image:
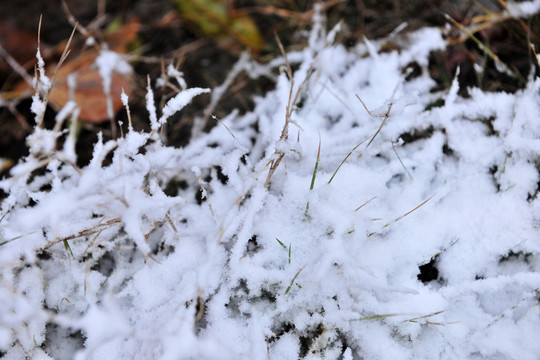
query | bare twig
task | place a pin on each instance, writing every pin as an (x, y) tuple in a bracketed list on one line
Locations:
[(84, 31), (15, 65)]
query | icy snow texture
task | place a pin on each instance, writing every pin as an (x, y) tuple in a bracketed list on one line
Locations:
[(221, 286)]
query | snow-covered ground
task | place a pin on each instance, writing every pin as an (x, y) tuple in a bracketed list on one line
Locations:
[(422, 244)]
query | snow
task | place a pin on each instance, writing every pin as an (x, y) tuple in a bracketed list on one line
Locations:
[(43, 83), (106, 262), (151, 107), (524, 9), (108, 62), (178, 102)]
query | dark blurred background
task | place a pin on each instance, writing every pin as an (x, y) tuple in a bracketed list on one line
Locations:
[(175, 32)]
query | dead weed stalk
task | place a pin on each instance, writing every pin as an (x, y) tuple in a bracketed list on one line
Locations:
[(291, 103)]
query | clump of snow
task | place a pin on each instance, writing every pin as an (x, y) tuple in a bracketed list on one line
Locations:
[(108, 63), (42, 84), (423, 245), (178, 102), (151, 107), (523, 9)]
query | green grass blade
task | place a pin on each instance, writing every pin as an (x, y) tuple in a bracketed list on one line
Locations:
[(316, 168), (290, 245), (68, 248), (282, 244), (293, 279)]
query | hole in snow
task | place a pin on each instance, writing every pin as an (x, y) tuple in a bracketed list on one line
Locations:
[(429, 271), (44, 255), (411, 71), (199, 197), (395, 180), (534, 194), (45, 188), (307, 340), (72, 341), (106, 264), (201, 194), (164, 248), (174, 187), (201, 321), (268, 295), (252, 246), (239, 295), (279, 331), (108, 160), (490, 128), (334, 119), (415, 135), (447, 150), (224, 179), (493, 171), (435, 104), (243, 159), (519, 256)]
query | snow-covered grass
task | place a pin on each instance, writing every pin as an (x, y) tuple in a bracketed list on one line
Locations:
[(248, 244)]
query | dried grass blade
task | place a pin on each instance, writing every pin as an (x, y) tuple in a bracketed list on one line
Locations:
[(410, 211), (425, 316), (346, 157), (376, 317), (364, 204), (294, 278), (401, 162)]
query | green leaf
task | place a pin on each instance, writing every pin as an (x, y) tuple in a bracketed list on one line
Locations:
[(290, 252), (282, 244), (67, 247)]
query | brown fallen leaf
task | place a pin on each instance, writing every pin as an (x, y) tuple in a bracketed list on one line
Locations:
[(120, 37), (88, 92)]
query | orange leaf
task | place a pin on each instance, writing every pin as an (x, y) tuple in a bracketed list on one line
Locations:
[(119, 39), (89, 94)]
